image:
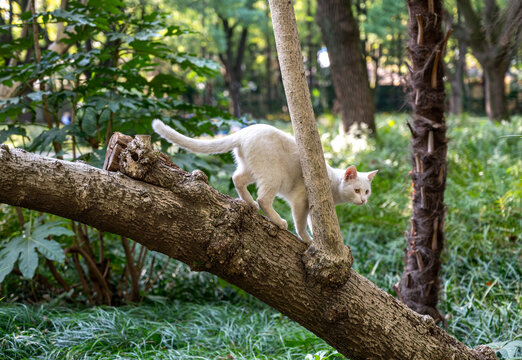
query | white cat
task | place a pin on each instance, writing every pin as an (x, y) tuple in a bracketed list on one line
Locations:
[(269, 157)]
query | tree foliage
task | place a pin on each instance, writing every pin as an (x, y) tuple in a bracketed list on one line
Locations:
[(118, 72)]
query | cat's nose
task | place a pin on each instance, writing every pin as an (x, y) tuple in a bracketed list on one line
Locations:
[(363, 201)]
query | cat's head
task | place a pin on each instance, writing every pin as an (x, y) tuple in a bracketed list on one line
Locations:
[(356, 186)]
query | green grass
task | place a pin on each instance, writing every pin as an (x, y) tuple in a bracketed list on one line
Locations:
[(201, 318), (177, 330)]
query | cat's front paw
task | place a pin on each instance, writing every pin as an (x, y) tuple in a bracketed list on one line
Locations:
[(282, 224)]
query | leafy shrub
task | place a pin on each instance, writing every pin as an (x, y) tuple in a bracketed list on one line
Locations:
[(116, 71)]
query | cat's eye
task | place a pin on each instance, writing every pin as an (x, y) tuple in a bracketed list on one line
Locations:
[(367, 191), (357, 191)]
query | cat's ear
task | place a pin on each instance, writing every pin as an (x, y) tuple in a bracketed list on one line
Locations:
[(372, 174), (350, 174)]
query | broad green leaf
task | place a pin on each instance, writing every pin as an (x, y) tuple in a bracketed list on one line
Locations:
[(50, 228), (23, 248), (52, 249), (28, 258), (8, 256)]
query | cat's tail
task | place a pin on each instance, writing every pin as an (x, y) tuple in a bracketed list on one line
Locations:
[(214, 146)]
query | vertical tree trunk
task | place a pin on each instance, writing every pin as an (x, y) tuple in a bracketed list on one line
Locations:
[(234, 88), (495, 93), (233, 62), (419, 284), (309, 45), (456, 78), (327, 259), (348, 68), (268, 79)]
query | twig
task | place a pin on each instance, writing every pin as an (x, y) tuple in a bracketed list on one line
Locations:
[(101, 246), (131, 267), (81, 274), (149, 285), (20, 215), (107, 293), (57, 276)]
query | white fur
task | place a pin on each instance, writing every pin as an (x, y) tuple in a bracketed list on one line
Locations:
[(269, 157)]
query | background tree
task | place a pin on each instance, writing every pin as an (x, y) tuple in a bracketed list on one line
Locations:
[(419, 284), (455, 67), (348, 68), (493, 38)]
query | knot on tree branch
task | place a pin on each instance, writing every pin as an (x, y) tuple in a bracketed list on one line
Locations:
[(328, 269), (137, 159), (486, 352), (225, 241)]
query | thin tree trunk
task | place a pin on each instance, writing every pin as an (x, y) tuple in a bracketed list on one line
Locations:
[(178, 214), (456, 78), (309, 45), (348, 68), (327, 259), (268, 69), (233, 62), (419, 284)]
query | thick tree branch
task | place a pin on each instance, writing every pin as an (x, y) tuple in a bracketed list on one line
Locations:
[(178, 214)]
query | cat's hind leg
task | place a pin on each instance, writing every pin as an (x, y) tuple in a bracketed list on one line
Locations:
[(242, 179), (265, 199), (300, 214)]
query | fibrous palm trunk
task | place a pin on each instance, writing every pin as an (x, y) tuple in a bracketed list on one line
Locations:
[(419, 285)]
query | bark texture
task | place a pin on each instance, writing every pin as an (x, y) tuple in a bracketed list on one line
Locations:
[(419, 284), (327, 259), (348, 67), (179, 214)]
